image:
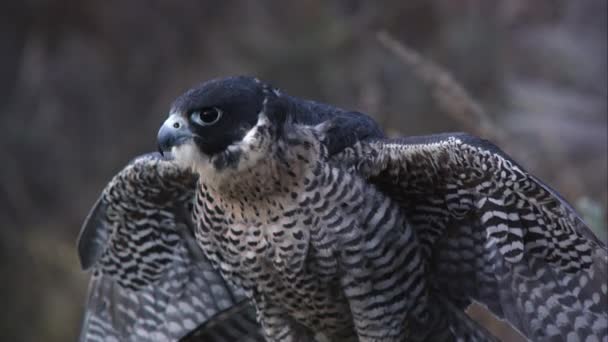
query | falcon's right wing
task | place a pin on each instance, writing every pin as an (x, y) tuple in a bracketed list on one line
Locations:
[(493, 233), (150, 280)]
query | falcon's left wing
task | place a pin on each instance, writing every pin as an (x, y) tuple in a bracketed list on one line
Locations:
[(493, 233), (150, 280)]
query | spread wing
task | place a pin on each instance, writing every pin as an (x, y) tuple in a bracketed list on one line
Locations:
[(493, 233), (150, 280)]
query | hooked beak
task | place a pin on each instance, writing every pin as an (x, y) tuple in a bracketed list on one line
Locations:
[(174, 132)]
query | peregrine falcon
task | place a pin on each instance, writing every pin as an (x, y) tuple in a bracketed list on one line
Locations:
[(334, 232)]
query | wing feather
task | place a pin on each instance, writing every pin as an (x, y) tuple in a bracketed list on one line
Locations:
[(150, 280), (493, 233)]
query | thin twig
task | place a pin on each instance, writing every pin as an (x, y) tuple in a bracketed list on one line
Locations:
[(451, 97)]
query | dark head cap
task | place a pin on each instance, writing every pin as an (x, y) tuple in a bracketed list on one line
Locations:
[(214, 114)]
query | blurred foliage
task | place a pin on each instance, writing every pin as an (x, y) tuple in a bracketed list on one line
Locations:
[(593, 214), (85, 85)]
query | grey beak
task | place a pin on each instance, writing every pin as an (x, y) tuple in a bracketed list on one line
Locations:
[(174, 132)]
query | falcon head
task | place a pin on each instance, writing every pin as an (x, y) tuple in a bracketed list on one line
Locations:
[(233, 122), (221, 121)]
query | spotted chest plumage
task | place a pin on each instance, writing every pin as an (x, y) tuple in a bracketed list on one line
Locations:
[(310, 242), (257, 230)]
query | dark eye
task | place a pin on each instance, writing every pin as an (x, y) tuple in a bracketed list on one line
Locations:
[(206, 117)]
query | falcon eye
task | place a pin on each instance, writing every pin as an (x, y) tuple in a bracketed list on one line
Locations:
[(206, 116)]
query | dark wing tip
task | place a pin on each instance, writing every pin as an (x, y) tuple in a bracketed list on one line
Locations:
[(92, 237)]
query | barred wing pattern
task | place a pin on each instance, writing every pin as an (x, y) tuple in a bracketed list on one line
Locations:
[(494, 234), (237, 323), (150, 280)]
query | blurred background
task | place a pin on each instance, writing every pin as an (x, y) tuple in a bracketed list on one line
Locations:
[(84, 86)]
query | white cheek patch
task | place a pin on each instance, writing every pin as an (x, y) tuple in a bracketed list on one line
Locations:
[(255, 144), (187, 156), (250, 138), (242, 155)]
